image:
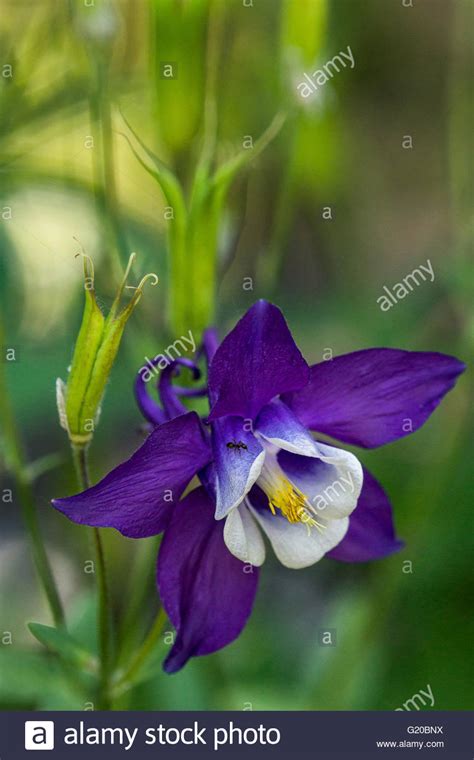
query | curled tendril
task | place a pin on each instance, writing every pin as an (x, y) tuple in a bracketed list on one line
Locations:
[(139, 288), (87, 260), (150, 275)]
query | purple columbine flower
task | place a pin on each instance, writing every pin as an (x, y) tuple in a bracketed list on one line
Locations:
[(261, 471)]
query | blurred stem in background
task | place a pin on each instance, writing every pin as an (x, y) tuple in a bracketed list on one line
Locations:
[(98, 27), (303, 30), (195, 203), (178, 74), (461, 119), (104, 170), (15, 461)]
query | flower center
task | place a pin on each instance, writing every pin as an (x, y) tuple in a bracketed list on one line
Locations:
[(284, 495)]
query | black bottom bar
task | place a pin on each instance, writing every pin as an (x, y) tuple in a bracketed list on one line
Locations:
[(316, 735)]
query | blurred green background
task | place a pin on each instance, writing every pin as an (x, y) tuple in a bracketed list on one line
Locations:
[(67, 72)]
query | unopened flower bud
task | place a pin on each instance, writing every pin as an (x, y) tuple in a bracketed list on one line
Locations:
[(96, 347)]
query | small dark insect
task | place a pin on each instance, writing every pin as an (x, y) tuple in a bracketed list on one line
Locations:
[(236, 445)]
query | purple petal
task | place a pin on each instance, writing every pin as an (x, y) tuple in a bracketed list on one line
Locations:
[(374, 396), (206, 591), (256, 361), (210, 343), (238, 459), (150, 408), (137, 496), (371, 533)]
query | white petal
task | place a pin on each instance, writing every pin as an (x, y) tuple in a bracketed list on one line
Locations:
[(303, 445), (294, 546), (243, 538), (344, 489), (331, 484), (277, 425)]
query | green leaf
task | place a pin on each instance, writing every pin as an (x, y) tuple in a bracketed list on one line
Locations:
[(229, 170), (42, 465), (174, 195), (60, 642), (168, 182)]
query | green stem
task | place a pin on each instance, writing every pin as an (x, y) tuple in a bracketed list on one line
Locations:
[(138, 590), (143, 653), (16, 462), (214, 39), (269, 267), (80, 462)]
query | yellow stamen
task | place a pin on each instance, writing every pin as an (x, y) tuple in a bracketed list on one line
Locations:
[(293, 505), (285, 496)]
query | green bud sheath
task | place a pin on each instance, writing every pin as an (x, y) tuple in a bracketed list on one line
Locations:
[(104, 360), (84, 357), (96, 347)]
